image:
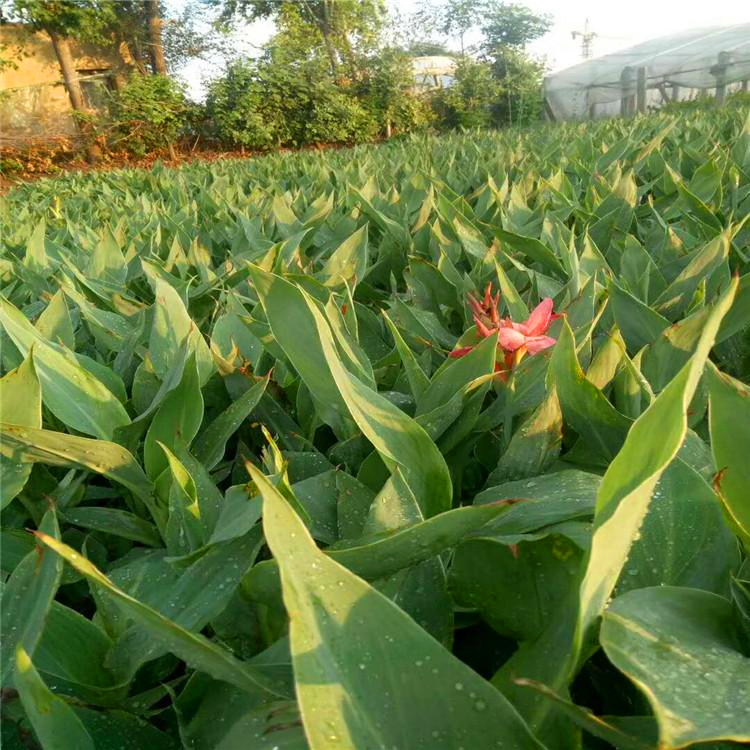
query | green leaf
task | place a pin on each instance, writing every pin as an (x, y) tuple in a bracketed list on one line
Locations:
[(533, 249), (20, 404), (547, 499), (117, 522), (517, 591), (586, 720), (358, 659), (675, 299), (293, 324), (178, 418), (211, 443), (26, 598), (418, 380), (628, 485), (681, 647), (583, 405), (27, 445), (622, 503), (683, 540), (373, 558), (196, 650), (190, 598), (534, 446), (639, 324), (69, 391), (54, 721), (399, 440), (348, 263), (54, 323), (172, 328), (729, 421)]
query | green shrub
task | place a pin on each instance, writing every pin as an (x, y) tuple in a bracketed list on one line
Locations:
[(263, 105), (386, 90), (242, 112), (147, 114), (337, 117), (470, 101)]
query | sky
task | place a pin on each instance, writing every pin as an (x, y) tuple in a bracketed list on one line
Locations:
[(617, 24)]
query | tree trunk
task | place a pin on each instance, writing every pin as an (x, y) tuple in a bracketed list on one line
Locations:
[(73, 87), (153, 13), (129, 59), (325, 30)]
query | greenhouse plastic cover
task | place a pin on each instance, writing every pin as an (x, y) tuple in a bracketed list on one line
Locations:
[(683, 60)]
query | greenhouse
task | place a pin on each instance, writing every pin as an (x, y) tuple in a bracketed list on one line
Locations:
[(713, 60)]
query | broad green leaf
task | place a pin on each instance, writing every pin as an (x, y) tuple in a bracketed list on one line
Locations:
[(373, 558), (675, 299), (418, 380), (190, 598), (117, 522), (172, 328), (628, 485), (26, 598), (681, 647), (729, 420), (27, 445), (293, 324), (217, 716), (195, 649), (71, 393), (517, 591), (348, 263), (622, 503), (639, 324), (584, 718), (399, 440), (211, 443), (178, 418), (542, 501), (534, 446), (683, 540), (20, 404), (54, 323), (350, 683), (533, 249), (53, 719), (583, 405)]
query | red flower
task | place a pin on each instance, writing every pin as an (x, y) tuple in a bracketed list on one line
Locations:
[(515, 339), (531, 334)]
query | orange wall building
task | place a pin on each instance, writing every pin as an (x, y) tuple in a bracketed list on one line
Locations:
[(34, 105)]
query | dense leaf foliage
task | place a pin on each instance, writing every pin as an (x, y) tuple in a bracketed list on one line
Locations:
[(301, 478)]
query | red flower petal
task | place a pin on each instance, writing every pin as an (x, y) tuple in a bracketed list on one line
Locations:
[(536, 344), (510, 339), (456, 353), (540, 318)]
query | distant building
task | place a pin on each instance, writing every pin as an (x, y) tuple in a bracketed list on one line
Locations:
[(34, 104), (433, 72)]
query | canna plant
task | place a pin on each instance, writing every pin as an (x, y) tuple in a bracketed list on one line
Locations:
[(268, 481)]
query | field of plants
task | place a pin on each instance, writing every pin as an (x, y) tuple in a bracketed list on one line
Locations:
[(443, 443)]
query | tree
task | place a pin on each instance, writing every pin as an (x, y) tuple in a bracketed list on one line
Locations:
[(452, 17), (156, 47), (507, 29), (511, 25), (339, 25), (386, 90), (499, 23), (470, 102)]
